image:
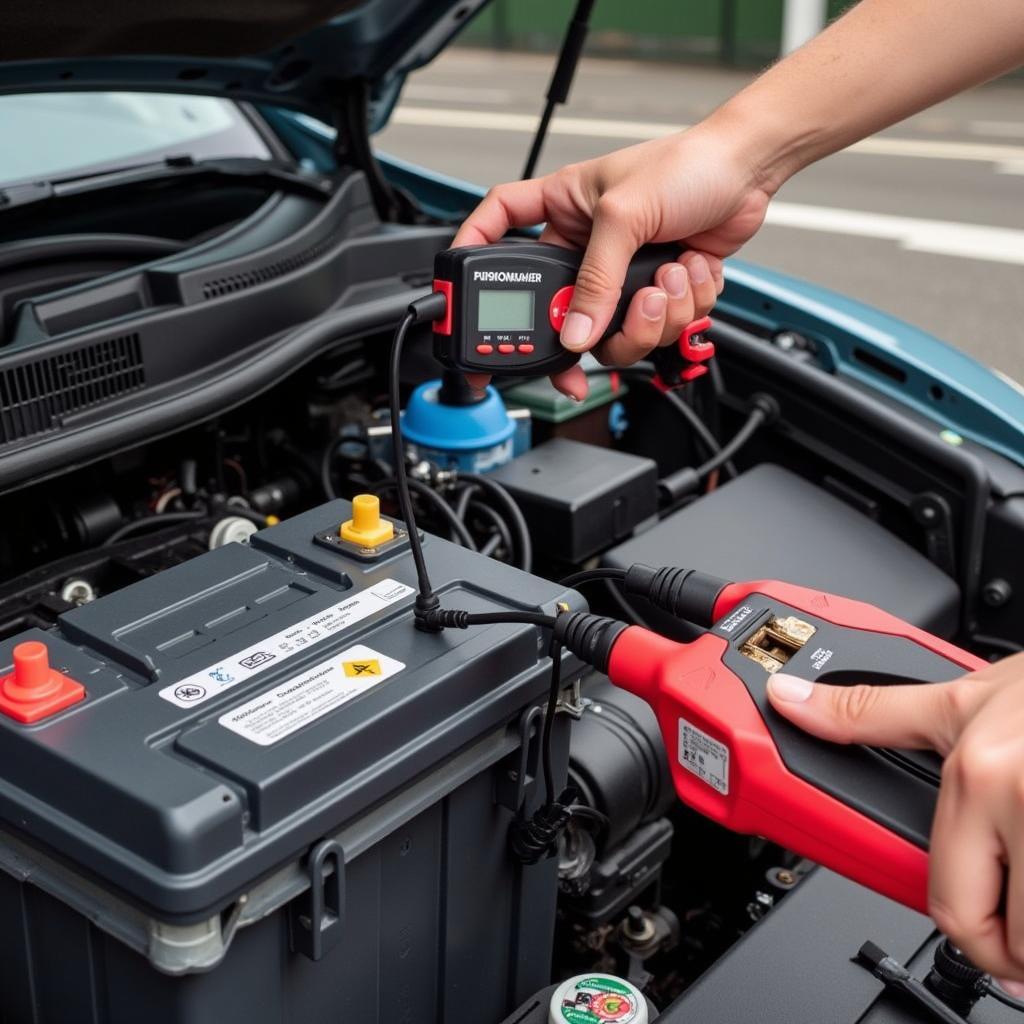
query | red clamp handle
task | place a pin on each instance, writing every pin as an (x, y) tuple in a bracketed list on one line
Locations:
[(676, 365)]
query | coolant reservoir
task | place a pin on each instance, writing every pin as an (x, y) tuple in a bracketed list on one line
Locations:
[(597, 999)]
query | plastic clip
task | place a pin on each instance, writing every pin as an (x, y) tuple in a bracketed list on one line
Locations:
[(676, 365)]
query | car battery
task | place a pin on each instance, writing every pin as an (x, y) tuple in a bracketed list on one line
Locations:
[(274, 799)]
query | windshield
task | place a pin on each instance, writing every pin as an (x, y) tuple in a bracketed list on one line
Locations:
[(48, 135)]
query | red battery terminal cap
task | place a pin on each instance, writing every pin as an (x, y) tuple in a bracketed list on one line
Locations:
[(34, 690)]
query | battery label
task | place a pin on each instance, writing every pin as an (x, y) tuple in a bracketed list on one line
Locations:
[(240, 667), (704, 756), (279, 712)]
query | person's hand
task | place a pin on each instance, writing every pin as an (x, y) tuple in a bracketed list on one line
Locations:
[(977, 843), (688, 188)]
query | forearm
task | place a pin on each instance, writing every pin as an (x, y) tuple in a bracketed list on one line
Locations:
[(881, 62)]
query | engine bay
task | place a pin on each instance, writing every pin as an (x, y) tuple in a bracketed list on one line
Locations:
[(182, 410)]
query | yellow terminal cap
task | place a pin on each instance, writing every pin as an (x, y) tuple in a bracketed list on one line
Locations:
[(366, 528)]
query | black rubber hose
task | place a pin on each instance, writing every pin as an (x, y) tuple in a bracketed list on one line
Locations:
[(507, 502), (465, 496), (501, 529), (755, 421), (458, 527), (154, 522), (644, 373), (686, 480), (325, 470)]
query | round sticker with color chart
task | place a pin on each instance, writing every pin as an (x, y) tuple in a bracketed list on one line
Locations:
[(598, 999)]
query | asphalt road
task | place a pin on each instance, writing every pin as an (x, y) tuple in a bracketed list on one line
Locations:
[(925, 221)]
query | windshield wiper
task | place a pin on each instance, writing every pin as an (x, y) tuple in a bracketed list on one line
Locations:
[(248, 170)]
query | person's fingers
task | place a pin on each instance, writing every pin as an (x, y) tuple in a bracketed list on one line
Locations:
[(516, 204), (965, 869), (1015, 900), (673, 280), (572, 382), (717, 268), (642, 328), (478, 380), (599, 279), (927, 715), (701, 281), (555, 237)]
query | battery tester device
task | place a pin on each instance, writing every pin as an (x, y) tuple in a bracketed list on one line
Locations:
[(507, 301)]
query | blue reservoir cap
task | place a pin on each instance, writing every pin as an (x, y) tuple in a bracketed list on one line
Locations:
[(428, 423)]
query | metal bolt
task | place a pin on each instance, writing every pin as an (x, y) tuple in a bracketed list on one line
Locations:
[(995, 593), (77, 591), (638, 926)]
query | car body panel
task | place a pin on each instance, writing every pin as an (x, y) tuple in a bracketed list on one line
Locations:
[(89, 48), (378, 42)]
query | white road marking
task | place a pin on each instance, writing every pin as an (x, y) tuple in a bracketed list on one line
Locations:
[(945, 238), (999, 129), (474, 94), (592, 127)]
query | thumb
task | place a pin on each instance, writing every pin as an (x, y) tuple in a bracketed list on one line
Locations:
[(908, 716), (599, 280)]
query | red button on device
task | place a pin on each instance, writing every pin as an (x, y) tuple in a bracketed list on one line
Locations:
[(526, 349), (34, 690), (506, 349), (560, 306), (485, 350)]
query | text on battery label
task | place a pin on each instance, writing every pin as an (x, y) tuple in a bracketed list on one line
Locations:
[(292, 704), (241, 666), (705, 756)]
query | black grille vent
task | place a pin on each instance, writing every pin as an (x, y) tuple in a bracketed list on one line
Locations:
[(258, 275), (35, 396)]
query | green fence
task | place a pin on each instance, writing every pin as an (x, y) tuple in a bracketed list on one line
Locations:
[(741, 32)]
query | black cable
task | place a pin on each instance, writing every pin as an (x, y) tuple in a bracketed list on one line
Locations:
[(458, 618), (502, 532), (993, 989), (700, 428), (465, 496), (644, 373), (156, 521), (577, 579), (682, 482), (425, 599), (458, 527), (753, 424), (554, 689), (518, 521), (325, 470)]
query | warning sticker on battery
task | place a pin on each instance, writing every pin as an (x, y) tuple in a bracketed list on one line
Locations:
[(241, 666), (704, 756), (279, 712)]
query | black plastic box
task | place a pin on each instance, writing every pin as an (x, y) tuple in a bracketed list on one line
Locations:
[(200, 841), (578, 498), (797, 965)]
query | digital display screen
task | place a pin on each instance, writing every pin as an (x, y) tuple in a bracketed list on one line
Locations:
[(505, 311)]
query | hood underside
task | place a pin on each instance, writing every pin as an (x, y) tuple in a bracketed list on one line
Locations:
[(293, 53)]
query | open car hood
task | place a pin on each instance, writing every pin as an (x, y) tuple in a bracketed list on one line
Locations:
[(291, 53)]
